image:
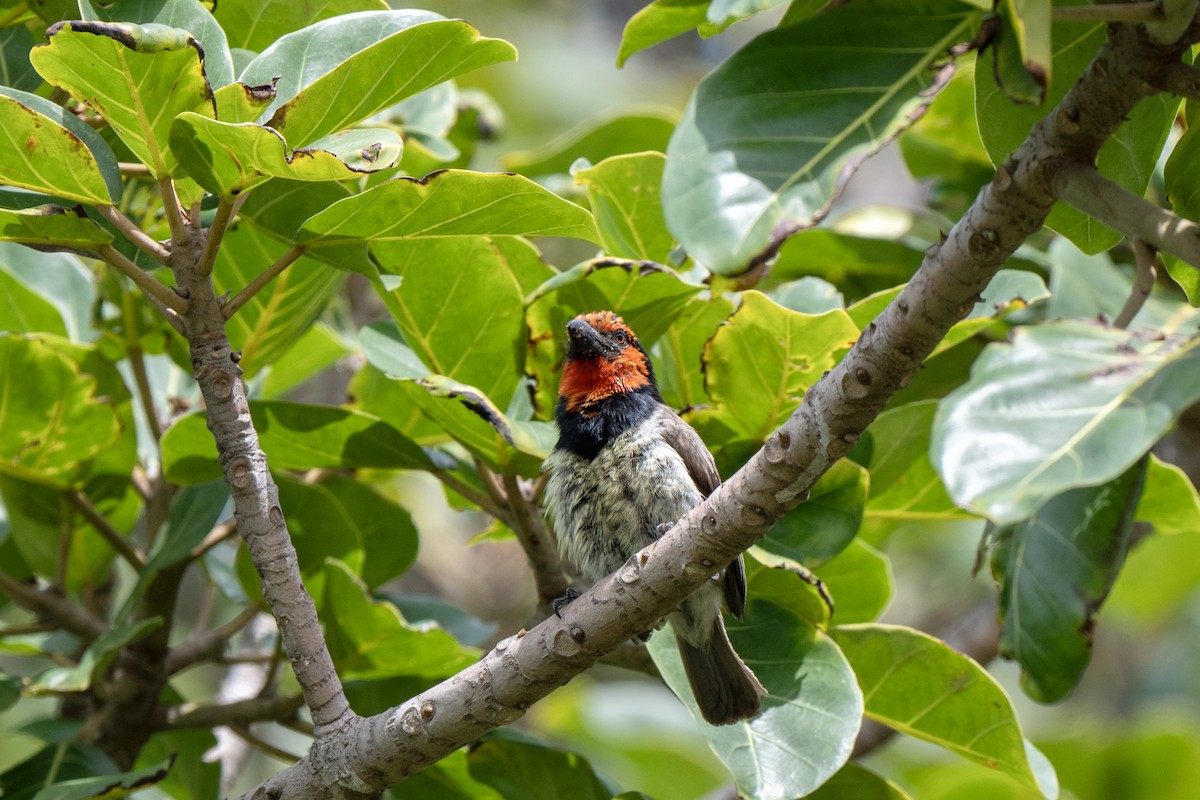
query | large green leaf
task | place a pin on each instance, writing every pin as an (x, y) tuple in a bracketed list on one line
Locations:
[(280, 207), (1128, 157), (1169, 502), (920, 686), (138, 77), (270, 321), (370, 639), (458, 303), (612, 134), (677, 357), (61, 279), (859, 579), (857, 265), (227, 158), (50, 435), (52, 226), (448, 203), (255, 24), (47, 149), (823, 525), (106, 786), (813, 708), (355, 65), (188, 15), (23, 310), (854, 782), (624, 195), (662, 20), (519, 768), (15, 70), (1066, 404), (768, 136), (95, 659), (760, 363), (1054, 571), (297, 436), (1182, 186)]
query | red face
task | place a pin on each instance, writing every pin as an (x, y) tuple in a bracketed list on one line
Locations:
[(603, 360)]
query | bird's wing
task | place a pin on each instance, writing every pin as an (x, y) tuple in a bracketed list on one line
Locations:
[(700, 465)]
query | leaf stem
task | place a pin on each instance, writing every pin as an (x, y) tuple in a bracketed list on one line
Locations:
[(173, 212), (1143, 283), (50, 604), (259, 283), (135, 234), (474, 495), (134, 169), (216, 232), (155, 288), (119, 542)]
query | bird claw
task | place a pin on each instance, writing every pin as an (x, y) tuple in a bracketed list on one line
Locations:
[(661, 529), (559, 603)]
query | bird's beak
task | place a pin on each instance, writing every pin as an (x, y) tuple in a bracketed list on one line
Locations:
[(583, 341)]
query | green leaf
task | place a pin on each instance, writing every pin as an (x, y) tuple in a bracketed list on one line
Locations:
[(809, 295), (58, 278), (238, 102), (280, 207), (297, 436), (677, 356), (1169, 501), (860, 581), (662, 20), (255, 24), (823, 525), (813, 705), (760, 363), (470, 417), (345, 519), (854, 782), (448, 203), (15, 70), (45, 148), (52, 226), (356, 65), (1128, 157), (50, 435), (448, 779), (1022, 51), (421, 609), (107, 786), (1054, 571), (315, 350), (1066, 404), (135, 86), (99, 655), (464, 319), (920, 686), (725, 12), (23, 310), (612, 134), (1182, 186), (857, 265), (187, 15), (227, 159), (270, 322), (623, 193), (369, 639), (527, 769), (740, 177)]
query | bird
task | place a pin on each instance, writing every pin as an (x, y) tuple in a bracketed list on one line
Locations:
[(625, 468)]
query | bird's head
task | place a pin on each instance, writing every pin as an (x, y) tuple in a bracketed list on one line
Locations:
[(604, 360)]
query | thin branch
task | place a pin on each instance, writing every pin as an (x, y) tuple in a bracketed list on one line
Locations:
[(210, 644), (116, 540), (137, 363), (1143, 283), (172, 211), (259, 283), (221, 532), (268, 748), (1180, 79), (474, 495), (134, 169), (53, 606), (241, 712), (1081, 186), (66, 537), (134, 234), (1109, 12), (216, 232), (148, 284), (536, 540)]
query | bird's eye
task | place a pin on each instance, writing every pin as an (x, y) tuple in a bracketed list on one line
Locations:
[(619, 337)]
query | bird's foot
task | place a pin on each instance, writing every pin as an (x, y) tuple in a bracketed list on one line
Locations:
[(559, 603), (661, 529)]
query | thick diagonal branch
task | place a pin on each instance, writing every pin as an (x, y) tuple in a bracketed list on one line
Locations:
[(383, 749)]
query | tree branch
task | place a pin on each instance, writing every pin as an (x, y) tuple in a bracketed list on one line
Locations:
[(116, 540), (520, 670), (1081, 186), (216, 232), (50, 605), (241, 712), (1181, 80), (210, 644), (1143, 283), (134, 234), (174, 214), (259, 283), (539, 545), (155, 289)]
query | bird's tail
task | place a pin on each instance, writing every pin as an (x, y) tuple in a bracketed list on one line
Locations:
[(726, 690)]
